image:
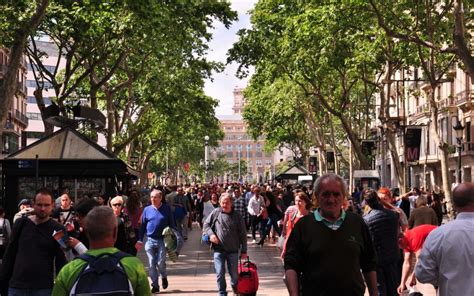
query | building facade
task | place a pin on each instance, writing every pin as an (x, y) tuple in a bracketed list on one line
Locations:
[(238, 145), (410, 109), (13, 130)]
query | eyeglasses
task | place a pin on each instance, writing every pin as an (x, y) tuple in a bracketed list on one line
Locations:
[(117, 205)]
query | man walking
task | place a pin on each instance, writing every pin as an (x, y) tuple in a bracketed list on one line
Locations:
[(155, 219), (180, 211), (328, 249), (383, 227), (446, 260), (33, 254), (101, 229), (240, 205), (228, 235)]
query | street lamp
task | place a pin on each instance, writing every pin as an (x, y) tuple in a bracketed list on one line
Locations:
[(459, 129), (206, 152), (239, 148)]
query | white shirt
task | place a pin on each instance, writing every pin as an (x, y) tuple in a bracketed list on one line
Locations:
[(447, 257), (254, 205)]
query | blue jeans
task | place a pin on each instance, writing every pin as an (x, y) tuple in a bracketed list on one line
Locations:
[(271, 221), (29, 292), (220, 259), (156, 252)]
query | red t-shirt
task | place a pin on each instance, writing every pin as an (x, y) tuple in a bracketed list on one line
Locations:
[(416, 237)]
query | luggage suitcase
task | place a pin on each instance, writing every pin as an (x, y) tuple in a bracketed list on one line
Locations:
[(248, 278)]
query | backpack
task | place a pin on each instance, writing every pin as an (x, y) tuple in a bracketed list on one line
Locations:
[(103, 275)]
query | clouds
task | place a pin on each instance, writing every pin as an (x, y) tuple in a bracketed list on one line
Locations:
[(224, 83)]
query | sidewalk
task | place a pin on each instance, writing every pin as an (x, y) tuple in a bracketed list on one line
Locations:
[(193, 273)]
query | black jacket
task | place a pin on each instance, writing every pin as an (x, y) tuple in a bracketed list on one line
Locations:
[(383, 228)]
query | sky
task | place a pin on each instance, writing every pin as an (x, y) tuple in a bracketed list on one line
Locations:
[(224, 83)]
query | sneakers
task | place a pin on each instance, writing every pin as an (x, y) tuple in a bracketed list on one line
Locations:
[(155, 289), (164, 282)]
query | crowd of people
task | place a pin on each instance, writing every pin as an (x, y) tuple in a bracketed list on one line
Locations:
[(331, 242)]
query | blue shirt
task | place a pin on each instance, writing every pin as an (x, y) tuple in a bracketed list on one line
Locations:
[(154, 221)]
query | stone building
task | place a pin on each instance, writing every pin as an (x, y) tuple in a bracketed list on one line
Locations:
[(16, 122), (238, 145), (410, 110)]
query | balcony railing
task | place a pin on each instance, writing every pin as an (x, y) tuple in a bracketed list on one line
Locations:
[(3, 69), (422, 108), (21, 117), (21, 86), (464, 96), (447, 102)]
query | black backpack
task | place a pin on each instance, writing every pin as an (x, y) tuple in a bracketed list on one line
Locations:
[(102, 275)]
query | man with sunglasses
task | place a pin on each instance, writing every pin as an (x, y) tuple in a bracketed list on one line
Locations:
[(33, 254), (327, 250)]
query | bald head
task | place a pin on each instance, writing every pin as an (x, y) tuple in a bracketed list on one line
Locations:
[(463, 195)]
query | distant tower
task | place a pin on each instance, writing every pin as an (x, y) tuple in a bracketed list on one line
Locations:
[(239, 100)]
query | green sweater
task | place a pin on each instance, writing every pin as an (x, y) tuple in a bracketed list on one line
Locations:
[(330, 261), (132, 265)]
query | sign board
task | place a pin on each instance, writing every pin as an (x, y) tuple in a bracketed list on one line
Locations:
[(412, 144)]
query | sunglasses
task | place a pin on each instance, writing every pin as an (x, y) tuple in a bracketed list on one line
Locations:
[(117, 205)]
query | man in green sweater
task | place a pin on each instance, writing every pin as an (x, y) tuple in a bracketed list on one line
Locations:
[(328, 249), (101, 229)]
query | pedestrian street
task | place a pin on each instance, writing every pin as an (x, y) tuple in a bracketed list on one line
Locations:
[(193, 273)]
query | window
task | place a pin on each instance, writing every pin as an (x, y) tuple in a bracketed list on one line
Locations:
[(258, 154), (230, 154), (258, 147), (258, 163), (51, 69), (249, 146), (268, 162), (34, 135), (229, 147), (33, 115), (32, 83)]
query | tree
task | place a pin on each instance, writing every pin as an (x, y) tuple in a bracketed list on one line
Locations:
[(320, 47), (426, 26), (18, 20), (415, 21)]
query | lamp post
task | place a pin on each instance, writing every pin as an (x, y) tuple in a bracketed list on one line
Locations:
[(459, 129), (239, 148), (206, 161)]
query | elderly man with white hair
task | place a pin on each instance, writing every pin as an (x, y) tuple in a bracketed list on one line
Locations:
[(228, 235)]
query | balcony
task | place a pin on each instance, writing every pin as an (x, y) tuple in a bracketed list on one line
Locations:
[(21, 87), (3, 70), (447, 104), (464, 100), (21, 117), (9, 128)]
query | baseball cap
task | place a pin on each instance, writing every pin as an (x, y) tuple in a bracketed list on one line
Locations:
[(24, 201)]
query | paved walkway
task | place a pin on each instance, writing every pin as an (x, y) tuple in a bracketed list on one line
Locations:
[(193, 273)]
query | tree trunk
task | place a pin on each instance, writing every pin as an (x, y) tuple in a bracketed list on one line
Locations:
[(9, 86), (442, 153), (48, 128), (364, 163), (110, 121)]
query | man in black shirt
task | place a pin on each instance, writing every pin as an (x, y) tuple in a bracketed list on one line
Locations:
[(328, 249), (29, 260)]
